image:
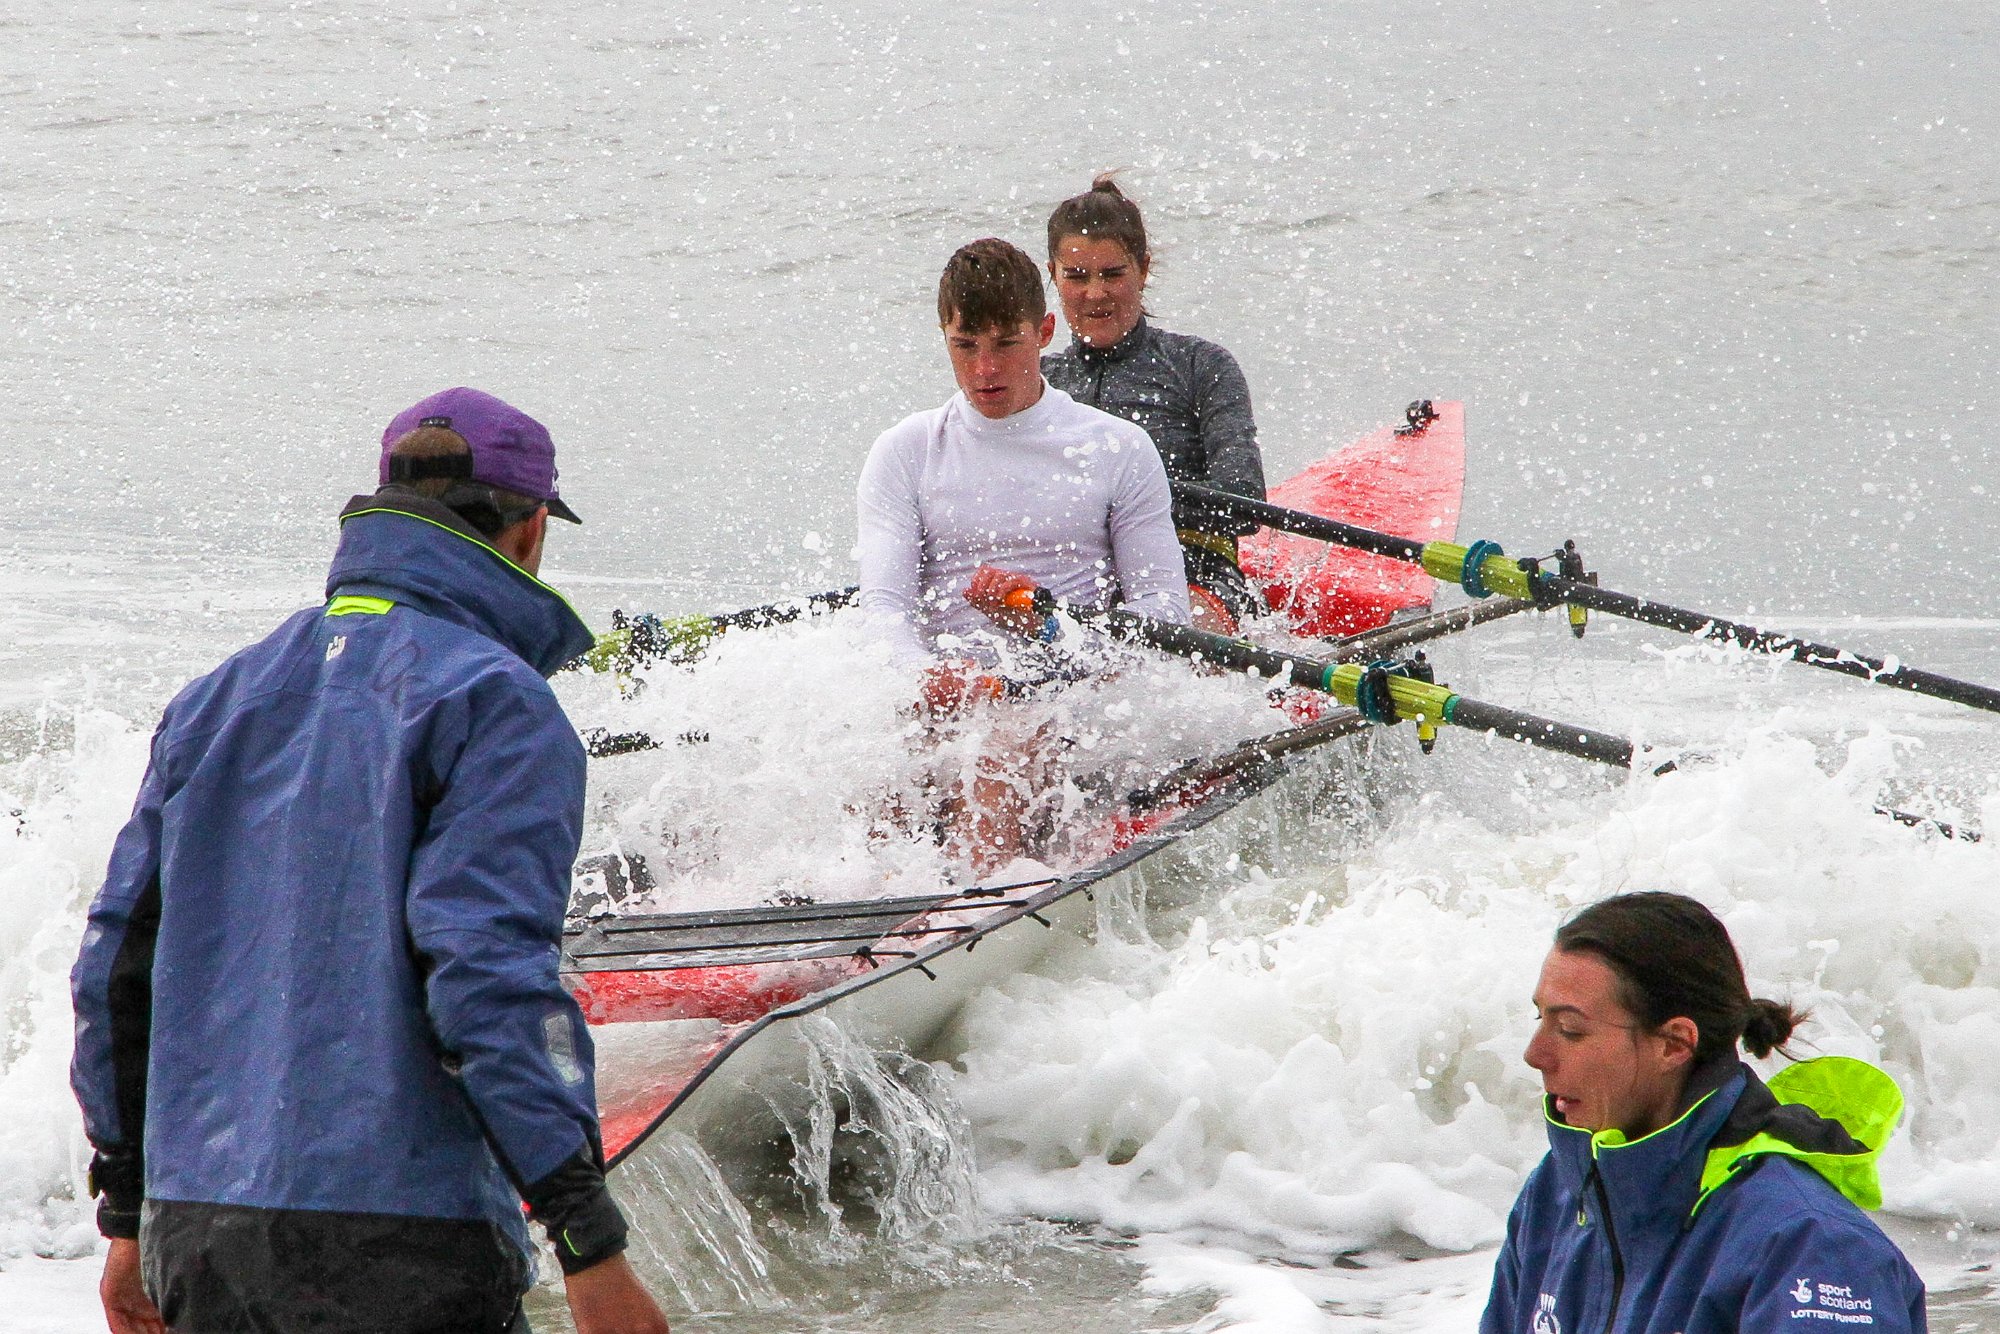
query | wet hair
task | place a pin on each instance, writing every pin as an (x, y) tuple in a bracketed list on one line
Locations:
[(1674, 958), (1101, 212), (990, 285), (489, 509)]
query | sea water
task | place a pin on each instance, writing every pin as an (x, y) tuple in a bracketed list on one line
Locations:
[(1714, 281)]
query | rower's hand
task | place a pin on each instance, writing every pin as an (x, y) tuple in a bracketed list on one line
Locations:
[(127, 1308), (951, 687), (608, 1298), (988, 592)]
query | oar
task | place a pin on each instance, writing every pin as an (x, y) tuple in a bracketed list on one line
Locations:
[(1381, 695), (649, 638), (601, 743), (786, 610), (1482, 569), (1385, 693), (1173, 784), (1366, 646), (1386, 640)]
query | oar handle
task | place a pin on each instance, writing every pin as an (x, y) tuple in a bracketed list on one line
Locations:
[(1302, 523)]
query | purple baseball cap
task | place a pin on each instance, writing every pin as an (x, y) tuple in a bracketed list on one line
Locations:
[(510, 449)]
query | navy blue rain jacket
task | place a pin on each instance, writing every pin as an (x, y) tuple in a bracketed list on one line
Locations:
[(322, 971), (1721, 1222)]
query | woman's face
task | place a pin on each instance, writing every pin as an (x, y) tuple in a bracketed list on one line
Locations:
[(1603, 1068), (1101, 288)]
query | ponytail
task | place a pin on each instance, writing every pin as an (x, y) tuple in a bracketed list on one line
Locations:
[(1673, 959), (1101, 213), (1769, 1027)]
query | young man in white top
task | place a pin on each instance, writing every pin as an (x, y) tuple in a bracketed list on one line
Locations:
[(1011, 485)]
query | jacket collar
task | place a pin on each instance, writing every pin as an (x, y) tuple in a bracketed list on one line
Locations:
[(1656, 1177), (398, 545), (1833, 1114), (1124, 349)]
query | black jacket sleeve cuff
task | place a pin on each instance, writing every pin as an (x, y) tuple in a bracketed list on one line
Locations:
[(118, 1180), (115, 1223), (573, 1203)]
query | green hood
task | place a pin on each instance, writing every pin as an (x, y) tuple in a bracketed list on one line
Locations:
[(1834, 1114)]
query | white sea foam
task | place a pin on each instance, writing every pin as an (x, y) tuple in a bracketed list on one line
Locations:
[(59, 810), (796, 766), (1350, 1079)]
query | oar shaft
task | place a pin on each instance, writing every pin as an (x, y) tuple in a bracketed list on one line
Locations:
[(1187, 642), (1457, 710), (1381, 643), (780, 613), (1506, 576), (1542, 733), (1827, 657), (649, 638), (1302, 523), (1174, 783)]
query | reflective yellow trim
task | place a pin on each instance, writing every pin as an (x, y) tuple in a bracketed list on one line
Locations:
[(354, 605)]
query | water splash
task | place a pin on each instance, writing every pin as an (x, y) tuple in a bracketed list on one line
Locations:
[(691, 1233), (65, 788), (814, 778), (882, 1129)]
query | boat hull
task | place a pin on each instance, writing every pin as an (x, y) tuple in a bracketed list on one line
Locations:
[(659, 1056), (1395, 480)]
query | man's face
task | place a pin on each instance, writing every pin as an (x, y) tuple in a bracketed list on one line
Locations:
[(999, 369)]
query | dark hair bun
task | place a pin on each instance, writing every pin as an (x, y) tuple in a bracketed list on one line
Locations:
[(1769, 1026), (1103, 212)]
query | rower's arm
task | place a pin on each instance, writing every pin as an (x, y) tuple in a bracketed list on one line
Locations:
[(1145, 553), (1234, 463), (892, 547)]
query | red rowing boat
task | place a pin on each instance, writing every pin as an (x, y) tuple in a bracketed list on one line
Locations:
[(691, 1011)]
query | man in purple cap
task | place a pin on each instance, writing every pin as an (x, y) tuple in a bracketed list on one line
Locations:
[(510, 450), (322, 1050)]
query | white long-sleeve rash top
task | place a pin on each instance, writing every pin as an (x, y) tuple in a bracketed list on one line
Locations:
[(1074, 498)]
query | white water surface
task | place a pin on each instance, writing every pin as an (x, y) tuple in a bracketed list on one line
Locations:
[(1714, 280)]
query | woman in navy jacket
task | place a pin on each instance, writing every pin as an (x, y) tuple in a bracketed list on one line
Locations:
[(1680, 1192)]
